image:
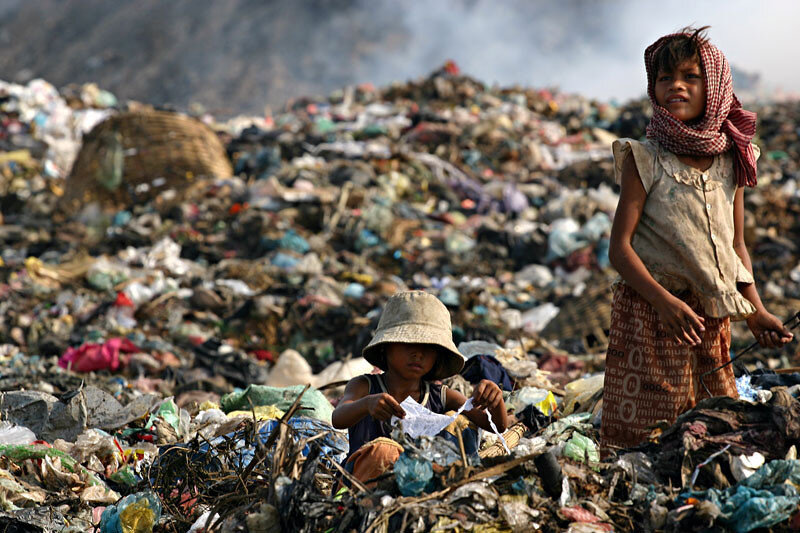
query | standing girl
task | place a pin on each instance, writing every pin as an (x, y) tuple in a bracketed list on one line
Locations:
[(677, 242)]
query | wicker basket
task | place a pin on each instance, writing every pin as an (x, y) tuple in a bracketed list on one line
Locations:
[(132, 156), (587, 317)]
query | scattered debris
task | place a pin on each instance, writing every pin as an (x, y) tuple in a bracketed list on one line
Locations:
[(181, 310)]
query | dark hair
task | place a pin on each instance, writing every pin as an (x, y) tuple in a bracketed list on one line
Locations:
[(680, 48)]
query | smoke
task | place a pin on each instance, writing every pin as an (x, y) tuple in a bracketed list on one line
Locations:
[(237, 56), (589, 47), (565, 43)]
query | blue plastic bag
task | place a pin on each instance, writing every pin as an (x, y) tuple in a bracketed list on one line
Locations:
[(761, 500), (414, 475)]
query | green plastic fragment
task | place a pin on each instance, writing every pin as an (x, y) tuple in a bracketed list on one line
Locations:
[(313, 403), (23, 452), (124, 476)]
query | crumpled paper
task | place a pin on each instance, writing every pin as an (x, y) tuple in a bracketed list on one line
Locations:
[(420, 421)]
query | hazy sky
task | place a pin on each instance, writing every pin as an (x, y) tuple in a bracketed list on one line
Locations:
[(239, 55), (755, 36), (591, 47)]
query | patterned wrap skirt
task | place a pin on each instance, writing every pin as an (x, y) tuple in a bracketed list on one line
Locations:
[(649, 377)]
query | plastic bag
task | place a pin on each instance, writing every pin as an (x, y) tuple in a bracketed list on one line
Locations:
[(168, 411), (21, 452), (745, 389), (136, 513), (90, 357), (343, 371), (199, 525), (550, 471), (565, 237), (473, 348), (534, 320), (124, 476), (744, 466), (103, 274), (583, 449), (291, 368), (775, 473), (596, 227), (580, 392), (414, 475), (536, 275), (13, 434), (560, 429), (542, 399), (313, 403), (765, 498)]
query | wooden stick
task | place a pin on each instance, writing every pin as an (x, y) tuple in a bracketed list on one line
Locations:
[(261, 453), (461, 447), (350, 477), (333, 385), (337, 214)]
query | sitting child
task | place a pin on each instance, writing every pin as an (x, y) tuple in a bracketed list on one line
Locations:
[(413, 345)]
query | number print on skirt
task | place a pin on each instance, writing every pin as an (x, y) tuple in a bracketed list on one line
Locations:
[(649, 377)]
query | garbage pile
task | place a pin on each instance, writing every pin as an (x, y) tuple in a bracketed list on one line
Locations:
[(172, 352)]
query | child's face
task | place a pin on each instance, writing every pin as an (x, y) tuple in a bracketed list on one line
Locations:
[(410, 361), (682, 92)]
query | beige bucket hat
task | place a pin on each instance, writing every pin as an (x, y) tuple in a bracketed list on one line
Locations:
[(416, 317)]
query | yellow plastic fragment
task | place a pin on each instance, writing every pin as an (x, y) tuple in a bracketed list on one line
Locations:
[(263, 412), (208, 404), (137, 517), (364, 279), (548, 405)]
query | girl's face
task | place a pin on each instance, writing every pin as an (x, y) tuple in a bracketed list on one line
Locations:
[(410, 361), (682, 92)]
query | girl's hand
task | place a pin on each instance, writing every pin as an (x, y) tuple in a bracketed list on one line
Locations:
[(383, 406), (487, 395), (680, 321), (768, 330)]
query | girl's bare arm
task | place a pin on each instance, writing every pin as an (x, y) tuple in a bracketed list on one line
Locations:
[(766, 327)]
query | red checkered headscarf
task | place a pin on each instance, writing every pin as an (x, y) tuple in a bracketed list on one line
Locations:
[(724, 125)]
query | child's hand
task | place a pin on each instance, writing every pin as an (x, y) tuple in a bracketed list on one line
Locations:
[(487, 395), (383, 407), (681, 321), (768, 330)]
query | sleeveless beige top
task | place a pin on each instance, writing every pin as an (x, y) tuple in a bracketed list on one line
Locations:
[(685, 234)]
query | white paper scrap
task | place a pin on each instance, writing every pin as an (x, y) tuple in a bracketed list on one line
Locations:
[(421, 421)]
